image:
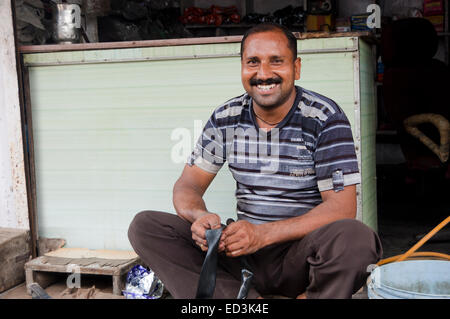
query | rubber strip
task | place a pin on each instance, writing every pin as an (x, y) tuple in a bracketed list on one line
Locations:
[(207, 280)]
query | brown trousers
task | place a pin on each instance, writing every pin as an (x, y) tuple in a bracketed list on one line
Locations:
[(330, 262)]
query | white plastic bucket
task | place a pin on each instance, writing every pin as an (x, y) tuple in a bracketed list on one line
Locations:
[(410, 279)]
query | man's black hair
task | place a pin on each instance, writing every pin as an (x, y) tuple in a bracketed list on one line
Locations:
[(270, 26)]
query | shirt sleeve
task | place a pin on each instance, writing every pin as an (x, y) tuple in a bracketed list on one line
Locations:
[(209, 151), (335, 158)]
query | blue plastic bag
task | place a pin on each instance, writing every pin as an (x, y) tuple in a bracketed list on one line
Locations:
[(142, 283)]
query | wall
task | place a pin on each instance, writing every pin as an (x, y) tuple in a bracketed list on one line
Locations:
[(13, 196)]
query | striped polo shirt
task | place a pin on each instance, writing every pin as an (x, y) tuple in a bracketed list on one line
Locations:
[(279, 173)]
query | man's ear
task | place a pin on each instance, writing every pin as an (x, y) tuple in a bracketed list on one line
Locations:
[(297, 68)]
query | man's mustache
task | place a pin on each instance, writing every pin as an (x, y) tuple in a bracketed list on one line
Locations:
[(269, 81)]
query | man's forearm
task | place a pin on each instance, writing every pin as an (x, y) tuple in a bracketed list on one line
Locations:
[(298, 227), (188, 203)]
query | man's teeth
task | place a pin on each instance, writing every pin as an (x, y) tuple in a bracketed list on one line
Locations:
[(266, 87)]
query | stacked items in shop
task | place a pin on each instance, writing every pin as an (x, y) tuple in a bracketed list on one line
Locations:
[(359, 22), (141, 20), (288, 16), (320, 22), (215, 15), (433, 10), (321, 15), (343, 25), (32, 24)]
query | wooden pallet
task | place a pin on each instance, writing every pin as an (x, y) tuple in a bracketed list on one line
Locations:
[(43, 271)]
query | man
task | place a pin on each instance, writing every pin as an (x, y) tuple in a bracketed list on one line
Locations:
[(296, 192)]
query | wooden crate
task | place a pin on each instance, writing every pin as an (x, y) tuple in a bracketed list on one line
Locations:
[(14, 252), (44, 269)]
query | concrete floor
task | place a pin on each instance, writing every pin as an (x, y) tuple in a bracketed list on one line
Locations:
[(406, 210), (92, 287), (398, 236)]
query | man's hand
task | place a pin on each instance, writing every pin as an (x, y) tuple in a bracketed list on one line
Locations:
[(199, 227), (241, 238)]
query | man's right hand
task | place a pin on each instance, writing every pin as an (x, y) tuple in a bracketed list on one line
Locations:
[(199, 227)]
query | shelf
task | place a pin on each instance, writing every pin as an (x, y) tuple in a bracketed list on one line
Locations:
[(231, 25)]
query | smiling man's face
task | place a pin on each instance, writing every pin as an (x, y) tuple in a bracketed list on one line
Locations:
[(268, 69)]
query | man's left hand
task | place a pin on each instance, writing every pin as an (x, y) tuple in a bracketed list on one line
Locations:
[(241, 238)]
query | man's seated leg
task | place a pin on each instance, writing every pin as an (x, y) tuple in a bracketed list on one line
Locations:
[(332, 259), (343, 251), (164, 242)]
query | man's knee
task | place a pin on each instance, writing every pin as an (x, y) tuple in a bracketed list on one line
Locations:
[(134, 228), (359, 242), (150, 226), (143, 222), (352, 227)]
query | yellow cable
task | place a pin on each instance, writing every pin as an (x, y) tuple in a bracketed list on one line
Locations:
[(424, 239), (412, 251), (415, 255)]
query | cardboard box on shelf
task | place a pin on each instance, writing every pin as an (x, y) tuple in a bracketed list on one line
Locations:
[(359, 22), (433, 7), (343, 25), (320, 22), (437, 22)]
